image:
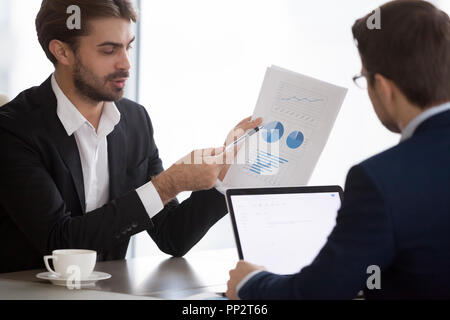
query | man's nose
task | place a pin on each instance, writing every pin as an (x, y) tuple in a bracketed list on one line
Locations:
[(124, 61)]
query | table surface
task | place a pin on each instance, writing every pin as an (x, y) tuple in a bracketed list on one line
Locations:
[(161, 277)]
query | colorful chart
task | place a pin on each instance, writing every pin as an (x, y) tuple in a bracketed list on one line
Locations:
[(295, 140), (273, 132), (266, 163)]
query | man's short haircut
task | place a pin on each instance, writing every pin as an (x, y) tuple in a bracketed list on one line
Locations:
[(412, 49), (51, 21)]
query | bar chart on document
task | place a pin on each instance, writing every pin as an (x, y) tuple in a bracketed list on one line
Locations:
[(298, 114)]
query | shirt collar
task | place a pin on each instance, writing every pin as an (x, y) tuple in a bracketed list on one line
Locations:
[(414, 124), (109, 119), (72, 119), (67, 113)]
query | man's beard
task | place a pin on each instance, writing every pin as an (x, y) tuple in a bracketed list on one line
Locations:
[(95, 88)]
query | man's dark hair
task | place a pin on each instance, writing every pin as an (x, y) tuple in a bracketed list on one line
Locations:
[(412, 49), (51, 21)]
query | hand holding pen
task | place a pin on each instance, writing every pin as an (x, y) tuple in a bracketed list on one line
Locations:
[(242, 131)]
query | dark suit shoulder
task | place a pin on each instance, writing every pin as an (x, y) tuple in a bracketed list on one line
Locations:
[(22, 108), (135, 116), (377, 167), (26, 111), (418, 150), (428, 144), (413, 168), (129, 107)]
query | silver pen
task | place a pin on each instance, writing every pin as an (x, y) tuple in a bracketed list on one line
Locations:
[(245, 136)]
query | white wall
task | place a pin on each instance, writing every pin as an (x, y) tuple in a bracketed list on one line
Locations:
[(28, 65), (22, 59)]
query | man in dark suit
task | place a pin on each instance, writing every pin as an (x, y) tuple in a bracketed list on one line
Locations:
[(392, 237), (78, 170)]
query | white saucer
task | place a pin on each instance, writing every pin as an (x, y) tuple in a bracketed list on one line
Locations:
[(91, 280)]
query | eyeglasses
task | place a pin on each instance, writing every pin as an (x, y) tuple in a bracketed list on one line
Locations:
[(361, 81)]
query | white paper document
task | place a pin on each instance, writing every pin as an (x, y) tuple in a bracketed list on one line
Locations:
[(298, 115)]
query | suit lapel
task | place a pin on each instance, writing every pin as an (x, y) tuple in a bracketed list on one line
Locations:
[(117, 158), (68, 150), (66, 145)]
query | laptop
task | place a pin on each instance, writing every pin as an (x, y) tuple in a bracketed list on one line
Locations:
[(283, 229)]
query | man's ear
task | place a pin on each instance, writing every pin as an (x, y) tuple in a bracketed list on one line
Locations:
[(385, 90), (62, 52)]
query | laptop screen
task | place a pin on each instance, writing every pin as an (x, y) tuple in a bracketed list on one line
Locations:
[(283, 232)]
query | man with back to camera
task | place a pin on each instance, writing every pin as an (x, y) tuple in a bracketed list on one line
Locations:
[(77, 159), (396, 209)]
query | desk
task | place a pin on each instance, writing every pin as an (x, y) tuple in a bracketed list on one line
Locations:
[(141, 278)]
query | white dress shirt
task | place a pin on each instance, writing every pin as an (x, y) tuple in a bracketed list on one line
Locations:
[(406, 134), (93, 149)]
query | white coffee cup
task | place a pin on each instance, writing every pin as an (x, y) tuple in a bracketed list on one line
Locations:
[(68, 262)]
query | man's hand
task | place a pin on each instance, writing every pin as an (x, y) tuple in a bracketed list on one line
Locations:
[(243, 268), (200, 169), (197, 171), (242, 128)]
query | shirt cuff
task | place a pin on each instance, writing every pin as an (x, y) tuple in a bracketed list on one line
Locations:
[(245, 280), (220, 187), (150, 199)]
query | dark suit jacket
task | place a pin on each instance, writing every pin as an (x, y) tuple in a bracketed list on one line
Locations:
[(396, 215), (42, 200)]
